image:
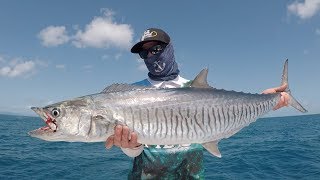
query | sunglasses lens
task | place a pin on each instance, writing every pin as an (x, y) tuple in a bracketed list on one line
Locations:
[(153, 50), (156, 49), (143, 54)]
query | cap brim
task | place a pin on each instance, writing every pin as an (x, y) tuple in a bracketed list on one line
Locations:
[(137, 47)]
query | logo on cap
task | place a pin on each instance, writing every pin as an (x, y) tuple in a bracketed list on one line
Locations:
[(148, 34)]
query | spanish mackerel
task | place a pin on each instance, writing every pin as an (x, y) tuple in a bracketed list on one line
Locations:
[(196, 114)]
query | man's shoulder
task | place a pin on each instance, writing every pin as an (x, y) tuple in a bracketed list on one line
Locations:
[(143, 82), (183, 82), (180, 81)]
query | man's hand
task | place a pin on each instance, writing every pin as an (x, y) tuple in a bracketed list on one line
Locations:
[(122, 138), (284, 99)]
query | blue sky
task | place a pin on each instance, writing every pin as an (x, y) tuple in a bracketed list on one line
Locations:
[(56, 50)]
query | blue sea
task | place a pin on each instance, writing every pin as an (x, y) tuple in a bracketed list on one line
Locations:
[(271, 148)]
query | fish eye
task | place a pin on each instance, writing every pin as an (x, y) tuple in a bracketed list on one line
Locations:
[(55, 112)]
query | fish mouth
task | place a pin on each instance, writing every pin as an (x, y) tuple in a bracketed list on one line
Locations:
[(51, 123)]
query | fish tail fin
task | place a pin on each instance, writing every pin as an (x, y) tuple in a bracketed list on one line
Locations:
[(292, 102)]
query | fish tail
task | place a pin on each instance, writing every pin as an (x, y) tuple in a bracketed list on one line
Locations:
[(292, 101)]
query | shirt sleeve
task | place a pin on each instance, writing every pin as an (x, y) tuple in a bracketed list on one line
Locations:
[(133, 152)]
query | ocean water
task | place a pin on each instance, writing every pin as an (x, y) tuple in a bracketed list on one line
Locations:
[(271, 148)]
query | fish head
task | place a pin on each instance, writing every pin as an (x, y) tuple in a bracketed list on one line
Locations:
[(65, 121)]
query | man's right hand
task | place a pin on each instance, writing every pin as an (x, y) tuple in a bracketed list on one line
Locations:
[(122, 138)]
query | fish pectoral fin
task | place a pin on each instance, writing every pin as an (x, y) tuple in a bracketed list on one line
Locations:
[(212, 147)]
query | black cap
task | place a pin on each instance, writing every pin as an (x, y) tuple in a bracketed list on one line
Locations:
[(151, 34)]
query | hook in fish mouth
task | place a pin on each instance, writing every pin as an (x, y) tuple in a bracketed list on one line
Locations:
[(51, 122)]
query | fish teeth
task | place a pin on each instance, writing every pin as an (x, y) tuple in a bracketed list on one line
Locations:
[(48, 120)]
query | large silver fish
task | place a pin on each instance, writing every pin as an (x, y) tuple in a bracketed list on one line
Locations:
[(196, 114)]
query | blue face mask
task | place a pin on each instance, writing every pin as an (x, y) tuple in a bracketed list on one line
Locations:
[(162, 66)]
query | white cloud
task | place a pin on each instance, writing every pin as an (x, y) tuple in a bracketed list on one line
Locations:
[(16, 69), (53, 36), (117, 56), (103, 32), (305, 9), (105, 57), (2, 59), (19, 67), (60, 66), (87, 68)]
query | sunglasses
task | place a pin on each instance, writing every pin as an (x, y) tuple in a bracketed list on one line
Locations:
[(153, 50)]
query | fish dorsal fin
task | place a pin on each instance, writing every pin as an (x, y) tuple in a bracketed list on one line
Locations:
[(121, 87), (201, 80), (212, 147)]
